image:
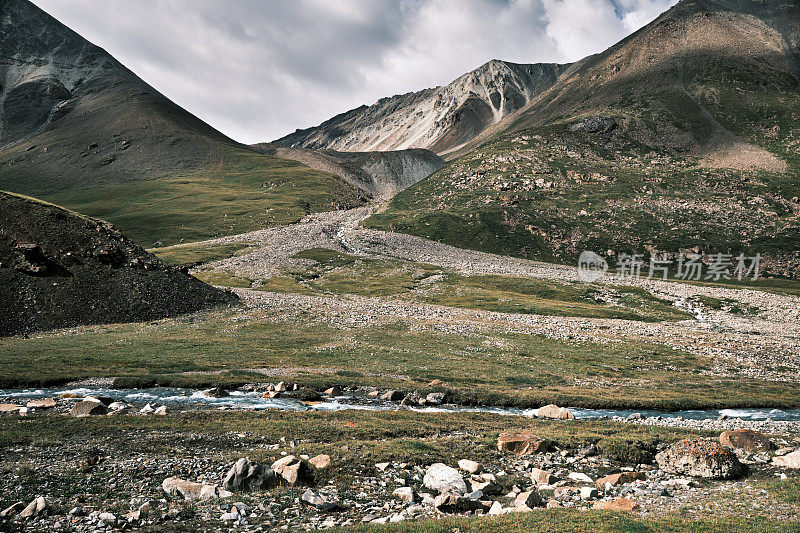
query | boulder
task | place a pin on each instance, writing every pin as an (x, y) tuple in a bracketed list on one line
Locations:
[(521, 443), (790, 460), (449, 502), (35, 508), (620, 479), (555, 412), (45, 403), (470, 466), (542, 477), (530, 498), (88, 408), (293, 471), (320, 461), (443, 478), (580, 477), (161, 411), (245, 475), (12, 510), (9, 408), (620, 504), (334, 391), (745, 439), (216, 392), (317, 500), (435, 398), (392, 396), (190, 491), (404, 494), (700, 458)]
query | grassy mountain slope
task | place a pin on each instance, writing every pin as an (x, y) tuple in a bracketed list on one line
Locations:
[(61, 269), (699, 150), (80, 129)]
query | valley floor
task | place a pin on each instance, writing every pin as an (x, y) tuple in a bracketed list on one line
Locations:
[(327, 303)]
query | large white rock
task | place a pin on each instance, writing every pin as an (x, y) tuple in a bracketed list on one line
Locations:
[(444, 479)]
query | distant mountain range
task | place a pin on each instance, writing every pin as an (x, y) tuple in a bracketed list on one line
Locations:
[(440, 119)]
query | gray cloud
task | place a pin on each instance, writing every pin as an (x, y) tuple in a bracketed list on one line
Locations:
[(260, 69)]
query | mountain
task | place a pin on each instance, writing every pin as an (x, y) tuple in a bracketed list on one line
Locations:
[(61, 269), (681, 137), (79, 129), (378, 174), (440, 119)]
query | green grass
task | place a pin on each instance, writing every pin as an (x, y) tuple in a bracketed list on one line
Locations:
[(336, 273), (195, 254), (484, 368), (784, 490), (247, 192), (564, 520), (594, 194)]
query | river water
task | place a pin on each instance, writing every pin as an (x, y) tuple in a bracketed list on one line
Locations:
[(192, 399)]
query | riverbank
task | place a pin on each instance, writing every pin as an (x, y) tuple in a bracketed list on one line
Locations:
[(97, 473)]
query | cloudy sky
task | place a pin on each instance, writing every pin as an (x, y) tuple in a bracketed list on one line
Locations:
[(259, 69)]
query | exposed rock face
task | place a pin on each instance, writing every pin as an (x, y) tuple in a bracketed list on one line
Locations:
[(700, 458), (745, 439), (594, 125), (438, 119), (521, 443), (245, 475), (443, 478), (60, 269)]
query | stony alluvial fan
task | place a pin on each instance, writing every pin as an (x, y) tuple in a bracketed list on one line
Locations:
[(60, 269)]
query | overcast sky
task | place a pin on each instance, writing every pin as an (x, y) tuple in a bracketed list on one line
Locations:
[(259, 69)]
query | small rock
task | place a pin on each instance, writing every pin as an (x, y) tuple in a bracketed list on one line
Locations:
[(404, 494), (620, 504), (530, 498), (46, 403), (88, 408), (790, 460), (543, 477), (745, 439), (392, 396), (161, 411), (293, 471), (555, 412), (320, 461), (12, 510), (470, 466), (580, 477), (317, 500), (35, 508), (619, 479), (521, 443), (589, 493)]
